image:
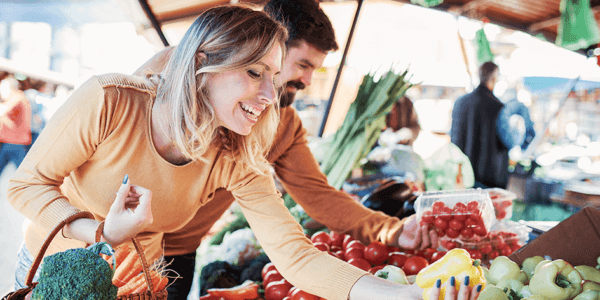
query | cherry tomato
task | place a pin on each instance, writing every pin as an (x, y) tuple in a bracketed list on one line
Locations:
[(449, 245), (341, 255), (336, 239), (515, 247), (451, 233), (485, 248), (437, 207), (440, 223), (470, 223), (397, 259), (320, 236), (391, 249), (446, 214), (460, 211), (428, 217), (299, 294), (414, 264), (277, 290), (475, 254), (506, 251), (376, 253), (440, 232), (467, 233), (335, 248), (271, 276), (354, 253), (456, 225), (475, 214), (334, 255), (480, 230), (355, 244), (360, 263), (472, 204), (426, 253), (268, 267), (493, 254), (321, 246), (347, 239), (436, 256)]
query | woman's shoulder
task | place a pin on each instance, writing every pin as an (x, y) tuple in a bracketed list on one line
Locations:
[(127, 83)]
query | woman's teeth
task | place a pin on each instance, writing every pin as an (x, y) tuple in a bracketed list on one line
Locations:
[(250, 111)]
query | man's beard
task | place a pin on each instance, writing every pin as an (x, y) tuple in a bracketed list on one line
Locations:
[(287, 98)]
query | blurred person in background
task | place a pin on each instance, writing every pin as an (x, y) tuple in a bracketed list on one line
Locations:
[(15, 123), (484, 129), (36, 99), (403, 121)]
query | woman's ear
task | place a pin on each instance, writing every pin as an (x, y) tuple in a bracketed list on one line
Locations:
[(200, 58)]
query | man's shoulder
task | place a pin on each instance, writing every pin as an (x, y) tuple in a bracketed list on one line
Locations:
[(126, 82)]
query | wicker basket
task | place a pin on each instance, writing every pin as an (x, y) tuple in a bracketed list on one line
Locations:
[(147, 295)]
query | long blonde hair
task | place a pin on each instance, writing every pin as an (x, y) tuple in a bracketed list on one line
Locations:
[(231, 37)]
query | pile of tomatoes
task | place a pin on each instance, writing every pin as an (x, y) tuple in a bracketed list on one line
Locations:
[(486, 248), (370, 258), (461, 220), (502, 204)]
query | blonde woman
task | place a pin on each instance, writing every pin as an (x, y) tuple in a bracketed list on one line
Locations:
[(204, 124)]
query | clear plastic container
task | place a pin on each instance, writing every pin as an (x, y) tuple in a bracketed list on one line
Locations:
[(505, 237), (502, 201), (456, 214)]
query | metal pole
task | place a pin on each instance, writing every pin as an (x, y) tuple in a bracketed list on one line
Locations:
[(154, 22), (339, 72)]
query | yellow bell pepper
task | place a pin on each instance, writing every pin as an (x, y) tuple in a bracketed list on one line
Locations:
[(458, 263)]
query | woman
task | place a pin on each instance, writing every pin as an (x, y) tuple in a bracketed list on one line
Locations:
[(204, 124)]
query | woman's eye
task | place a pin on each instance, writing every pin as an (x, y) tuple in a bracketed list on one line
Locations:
[(254, 74)]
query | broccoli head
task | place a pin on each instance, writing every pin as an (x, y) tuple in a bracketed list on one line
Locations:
[(76, 274)]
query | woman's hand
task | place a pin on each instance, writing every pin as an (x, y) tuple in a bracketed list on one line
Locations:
[(464, 292), (130, 214), (415, 237)]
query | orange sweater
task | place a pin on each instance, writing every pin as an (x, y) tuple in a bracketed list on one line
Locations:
[(103, 132), (299, 172)]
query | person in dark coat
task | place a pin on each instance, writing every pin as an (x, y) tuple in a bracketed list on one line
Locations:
[(475, 131)]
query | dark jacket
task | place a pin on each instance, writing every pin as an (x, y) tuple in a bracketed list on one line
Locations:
[(474, 132)]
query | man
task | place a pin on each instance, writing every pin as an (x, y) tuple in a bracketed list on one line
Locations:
[(311, 37), (482, 130)]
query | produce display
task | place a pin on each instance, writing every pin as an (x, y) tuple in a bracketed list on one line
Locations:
[(495, 244)]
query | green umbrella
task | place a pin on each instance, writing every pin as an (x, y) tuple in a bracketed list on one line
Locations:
[(578, 28), (484, 53), (427, 3)]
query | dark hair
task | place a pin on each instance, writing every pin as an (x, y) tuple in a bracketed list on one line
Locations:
[(486, 70), (305, 21)]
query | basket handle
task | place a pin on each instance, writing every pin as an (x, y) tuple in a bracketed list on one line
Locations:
[(140, 252), (51, 235)]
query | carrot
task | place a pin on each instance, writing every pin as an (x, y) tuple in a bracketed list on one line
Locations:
[(161, 284), (154, 276), (129, 268), (132, 285), (121, 253)]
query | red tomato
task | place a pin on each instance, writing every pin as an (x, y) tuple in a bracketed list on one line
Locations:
[(493, 254), (456, 225), (320, 236), (473, 204), (426, 253), (360, 263), (475, 254), (340, 254), (428, 217), (515, 247), (321, 246), (268, 267), (355, 244), (302, 295), (397, 259), (485, 248), (376, 253), (414, 264), (437, 207), (475, 214), (347, 239), (334, 255), (506, 251), (440, 232), (353, 253), (449, 245), (286, 298), (470, 223), (391, 249), (292, 290), (446, 214), (451, 233), (271, 276), (336, 239), (460, 211), (277, 290), (375, 269), (467, 233), (436, 256), (335, 248), (500, 214), (480, 230), (440, 223)]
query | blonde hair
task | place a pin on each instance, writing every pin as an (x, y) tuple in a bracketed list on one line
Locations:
[(231, 37)]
